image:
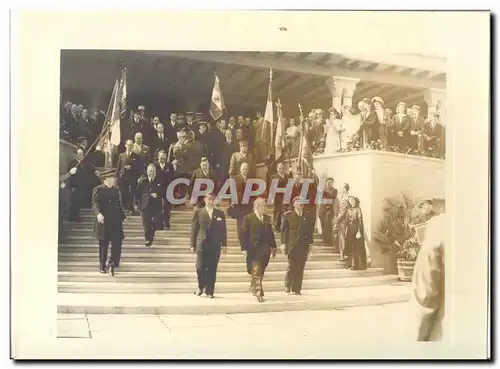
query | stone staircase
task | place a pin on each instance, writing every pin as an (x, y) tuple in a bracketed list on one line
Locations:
[(162, 279)]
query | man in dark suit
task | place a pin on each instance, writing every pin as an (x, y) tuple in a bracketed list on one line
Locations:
[(327, 212), (282, 180), (296, 238), (433, 133), (417, 124), (85, 126), (204, 172), (148, 201), (83, 175), (240, 210), (258, 245), (171, 128), (228, 147), (208, 239), (108, 226), (165, 171), (160, 142), (127, 171)]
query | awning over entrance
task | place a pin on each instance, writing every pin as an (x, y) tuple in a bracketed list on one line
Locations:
[(167, 81)]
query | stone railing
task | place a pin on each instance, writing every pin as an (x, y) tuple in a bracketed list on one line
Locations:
[(373, 176)]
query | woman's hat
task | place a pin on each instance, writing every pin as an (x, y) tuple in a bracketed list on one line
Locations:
[(378, 99), (366, 101)]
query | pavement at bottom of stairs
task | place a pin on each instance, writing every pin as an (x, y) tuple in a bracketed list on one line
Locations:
[(298, 334)]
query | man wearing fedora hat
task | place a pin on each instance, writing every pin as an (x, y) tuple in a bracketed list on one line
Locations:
[(108, 226)]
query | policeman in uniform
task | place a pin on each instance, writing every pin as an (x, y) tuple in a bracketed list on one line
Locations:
[(108, 226), (296, 238)]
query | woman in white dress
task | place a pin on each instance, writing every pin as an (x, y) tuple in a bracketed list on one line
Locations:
[(334, 131)]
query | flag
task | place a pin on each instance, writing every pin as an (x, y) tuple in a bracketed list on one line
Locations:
[(111, 135), (267, 126), (123, 88), (217, 106), (304, 164), (279, 141)]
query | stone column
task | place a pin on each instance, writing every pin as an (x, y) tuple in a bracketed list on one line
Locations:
[(342, 89), (435, 101)]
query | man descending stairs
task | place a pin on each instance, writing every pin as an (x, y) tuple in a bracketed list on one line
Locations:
[(162, 278)]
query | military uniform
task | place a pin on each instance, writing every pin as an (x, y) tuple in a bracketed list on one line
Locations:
[(237, 159), (297, 235), (107, 201)]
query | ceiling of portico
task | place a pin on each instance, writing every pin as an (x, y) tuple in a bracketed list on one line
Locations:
[(297, 77)]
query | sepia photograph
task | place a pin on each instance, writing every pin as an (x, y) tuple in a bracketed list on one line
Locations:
[(254, 203)]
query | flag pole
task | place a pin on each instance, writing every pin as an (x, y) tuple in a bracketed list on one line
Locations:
[(271, 92)]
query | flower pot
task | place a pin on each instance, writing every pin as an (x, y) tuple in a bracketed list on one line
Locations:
[(405, 269)]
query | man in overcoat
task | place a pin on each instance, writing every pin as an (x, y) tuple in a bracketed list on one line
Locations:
[(148, 200), (208, 239), (258, 245), (128, 171), (165, 171), (296, 238), (108, 226)]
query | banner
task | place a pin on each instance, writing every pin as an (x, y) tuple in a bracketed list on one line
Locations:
[(217, 106)]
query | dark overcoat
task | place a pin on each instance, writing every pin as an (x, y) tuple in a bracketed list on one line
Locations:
[(258, 240), (107, 201)]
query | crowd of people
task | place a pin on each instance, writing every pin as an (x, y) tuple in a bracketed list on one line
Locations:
[(371, 125), (189, 147), (152, 154)]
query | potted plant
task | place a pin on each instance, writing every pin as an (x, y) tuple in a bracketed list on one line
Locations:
[(396, 234)]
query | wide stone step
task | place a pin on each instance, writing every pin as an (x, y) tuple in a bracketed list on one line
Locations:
[(114, 285), (144, 256), (152, 266), (158, 242), (190, 277), (231, 303), (180, 247)]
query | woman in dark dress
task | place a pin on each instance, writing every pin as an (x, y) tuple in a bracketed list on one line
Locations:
[(355, 241)]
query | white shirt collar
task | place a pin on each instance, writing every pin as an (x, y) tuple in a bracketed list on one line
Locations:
[(260, 217), (209, 211)]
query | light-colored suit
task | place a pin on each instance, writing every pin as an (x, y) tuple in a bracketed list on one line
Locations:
[(428, 290)]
